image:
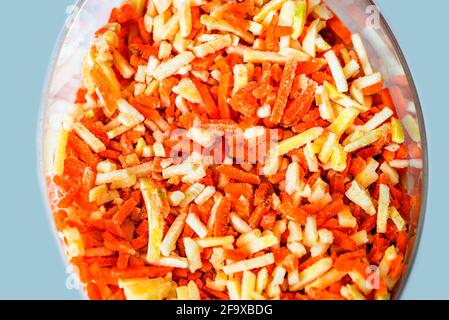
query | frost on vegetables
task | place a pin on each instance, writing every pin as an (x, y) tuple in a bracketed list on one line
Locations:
[(303, 220)]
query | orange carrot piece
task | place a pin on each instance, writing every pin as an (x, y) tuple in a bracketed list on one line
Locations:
[(239, 174), (344, 241), (268, 220), (311, 66), (340, 29), (373, 89), (111, 242), (240, 189), (146, 37), (321, 77), (288, 74), (298, 214), (244, 102), (257, 215), (83, 151), (262, 192), (223, 91), (124, 211), (140, 272), (234, 254), (325, 295), (98, 252), (149, 102), (309, 262), (122, 261), (222, 218), (387, 99), (93, 293), (209, 102), (103, 88), (396, 267), (300, 107), (402, 241), (217, 294), (271, 40)]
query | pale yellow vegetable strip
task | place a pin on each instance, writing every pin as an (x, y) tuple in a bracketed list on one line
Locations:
[(248, 285), (249, 264), (182, 293), (170, 67), (326, 280), (412, 127), (383, 206), (337, 71), (60, 153), (172, 235), (215, 241), (185, 16), (94, 143), (213, 23), (207, 48), (194, 292), (313, 272), (260, 244), (270, 6), (297, 141), (367, 139), (155, 221), (255, 56), (397, 218), (343, 99), (344, 120), (397, 132), (193, 254), (361, 198)]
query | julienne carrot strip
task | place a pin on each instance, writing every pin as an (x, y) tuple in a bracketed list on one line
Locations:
[(124, 211), (223, 90), (298, 214), (285, 86), (222, 218), (343, 240), (209, 103), (268, 220), (239, 174), (325, 295), (140, 272), (169, 202), (146, 37), (271, 40), (122, 261), (217, 294), (311, 66), (373, 89), (337, 26), (83, 151), (244, 102), (299, 108), (240, 189), (262, 192), (235, 255), (257, 215)]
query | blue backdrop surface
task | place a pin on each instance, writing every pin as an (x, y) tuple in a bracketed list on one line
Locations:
[(30, 263)]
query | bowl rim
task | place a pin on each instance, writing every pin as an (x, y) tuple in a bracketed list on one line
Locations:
[(40, 135), (400, 288)]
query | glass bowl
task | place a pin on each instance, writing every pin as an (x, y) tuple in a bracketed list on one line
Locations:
[(362, 16)]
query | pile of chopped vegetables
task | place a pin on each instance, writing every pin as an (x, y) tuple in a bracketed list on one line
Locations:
[(149, 208)]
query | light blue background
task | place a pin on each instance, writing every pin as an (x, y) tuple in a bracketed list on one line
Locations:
[(30, 264)]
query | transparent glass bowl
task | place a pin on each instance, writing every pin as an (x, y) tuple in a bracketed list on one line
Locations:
[(361, 16)]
